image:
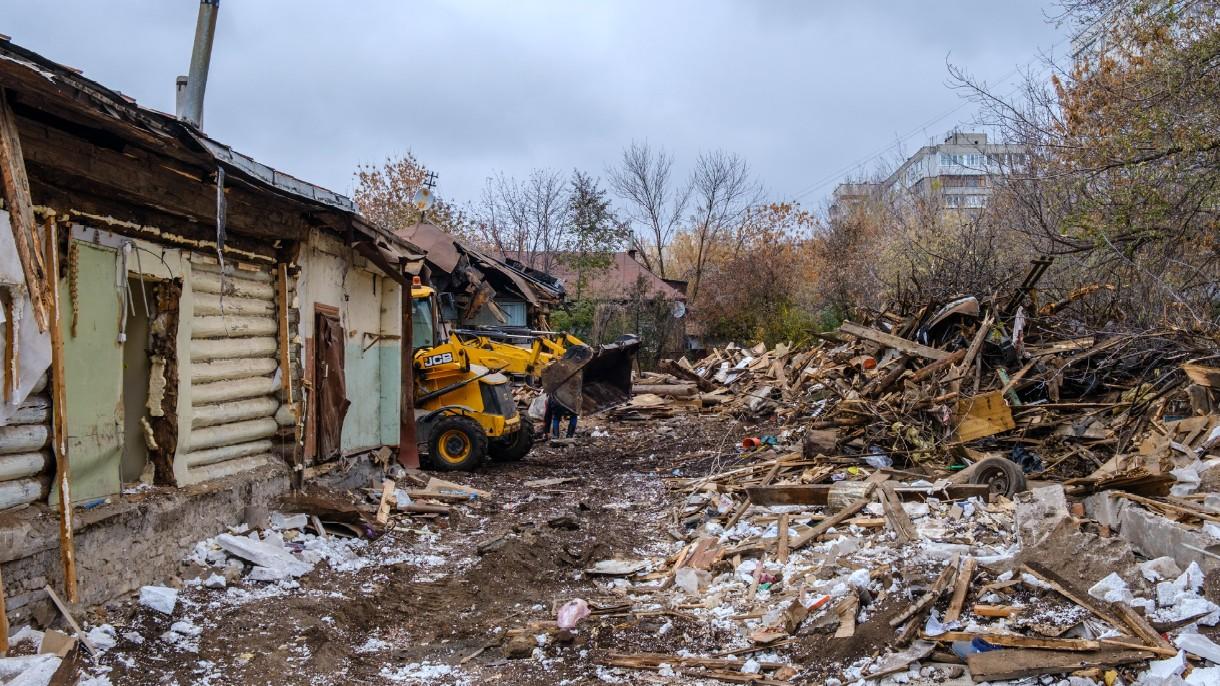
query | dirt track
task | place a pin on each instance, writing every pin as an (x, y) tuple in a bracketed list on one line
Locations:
[(429, 601)]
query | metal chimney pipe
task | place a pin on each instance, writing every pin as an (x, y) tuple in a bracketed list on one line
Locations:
[(190, 98)]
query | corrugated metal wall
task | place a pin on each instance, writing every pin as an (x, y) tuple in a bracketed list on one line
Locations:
[(234, 378), (25, 451)]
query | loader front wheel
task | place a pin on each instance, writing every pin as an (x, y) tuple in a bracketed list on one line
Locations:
[(457, 444), (516, 446)]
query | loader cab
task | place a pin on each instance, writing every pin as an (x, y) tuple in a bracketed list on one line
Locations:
[(423, 318)]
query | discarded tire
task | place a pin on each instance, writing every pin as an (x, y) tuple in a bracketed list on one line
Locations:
[(1002, 475)]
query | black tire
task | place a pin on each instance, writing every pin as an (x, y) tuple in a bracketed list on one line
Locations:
[(1000, 473), (515, 446), (456, 444)]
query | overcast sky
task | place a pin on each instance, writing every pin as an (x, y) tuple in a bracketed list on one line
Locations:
[(805, 90)]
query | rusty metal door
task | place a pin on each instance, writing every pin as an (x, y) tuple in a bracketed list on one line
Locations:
[(331, 385)]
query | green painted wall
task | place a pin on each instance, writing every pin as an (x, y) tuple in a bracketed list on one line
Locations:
[(372, 388), (93, 376), (362, 426), (391, 377)]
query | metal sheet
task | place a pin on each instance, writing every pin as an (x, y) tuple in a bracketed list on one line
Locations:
[(437, 245)]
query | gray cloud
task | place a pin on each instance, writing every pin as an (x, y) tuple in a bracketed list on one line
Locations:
[(801, 89)]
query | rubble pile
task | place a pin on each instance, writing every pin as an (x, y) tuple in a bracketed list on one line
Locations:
[(876, 579), (945, 387), (963, 490)]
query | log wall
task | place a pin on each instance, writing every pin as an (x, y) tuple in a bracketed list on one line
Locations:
[(230, 422), (25, 451)]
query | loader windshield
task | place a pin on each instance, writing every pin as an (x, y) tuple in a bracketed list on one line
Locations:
[(423, 331)]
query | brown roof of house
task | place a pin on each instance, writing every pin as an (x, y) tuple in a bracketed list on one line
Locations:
[(615, 282)]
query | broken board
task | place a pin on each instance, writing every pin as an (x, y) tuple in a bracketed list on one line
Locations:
[(1000, 665), (983, 415)]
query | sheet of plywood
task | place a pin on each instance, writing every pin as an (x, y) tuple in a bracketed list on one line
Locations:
[(983, 415)]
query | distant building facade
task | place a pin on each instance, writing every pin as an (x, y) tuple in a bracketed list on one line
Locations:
[(959, 174), (848, 196)]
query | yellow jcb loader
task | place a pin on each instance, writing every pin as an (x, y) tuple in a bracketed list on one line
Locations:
[(464, 405)]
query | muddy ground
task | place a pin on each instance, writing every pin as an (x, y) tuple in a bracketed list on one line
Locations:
[(430, 609)]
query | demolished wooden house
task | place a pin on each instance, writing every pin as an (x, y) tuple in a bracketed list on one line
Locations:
[(174, 313), (479, 289)]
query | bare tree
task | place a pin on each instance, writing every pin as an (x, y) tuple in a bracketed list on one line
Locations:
[(724, 193), (524, 220), (654, 201), (546, 205)]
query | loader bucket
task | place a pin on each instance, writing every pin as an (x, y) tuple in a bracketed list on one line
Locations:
[(592, 380)]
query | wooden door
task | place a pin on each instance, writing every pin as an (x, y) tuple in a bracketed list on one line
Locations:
[(331, 385), (93, 374)]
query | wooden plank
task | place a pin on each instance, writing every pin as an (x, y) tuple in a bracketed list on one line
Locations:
[(1001, 665), (317, 525), (983, 610), (3, 618), (983, 415), (408, 447), (964, 575), (817, 494), (285, 355), (1204, 376), (1138, 624), (15, 187), (59, 421), (846, 611), (63, 608), (936, 367), (387, 495), (934, 592), (1018, 641), (670, 367), (795, 494), (441, 486), (828, 524), (1150, 502), (896, 516), (900, 344), (1065, 589), (10, 349), (782, 554)]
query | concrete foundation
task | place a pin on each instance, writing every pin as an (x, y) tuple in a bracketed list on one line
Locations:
[(1152, 535), (137, 540)]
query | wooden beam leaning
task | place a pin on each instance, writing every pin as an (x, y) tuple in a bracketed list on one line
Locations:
[(15, 186), (1140, 626), (835, 520), (10, 347), (890, 340), (59, 413), (934, 592), (285, 344), (960, 589), (1065, 589), (781, 555), (896, 516), (408, 446), (3, 618)]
